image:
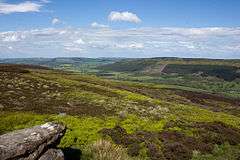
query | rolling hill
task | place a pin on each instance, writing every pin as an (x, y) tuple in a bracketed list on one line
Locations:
[(145, 120), (212, 75)]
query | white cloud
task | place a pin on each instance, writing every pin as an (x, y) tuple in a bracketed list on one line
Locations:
[(137, 45), (105, 42), (73, 49), (56, 21), (131, 45), (7, 8), (124, 16), (79, 41), (45, 1), (12, 37), (97, 25)]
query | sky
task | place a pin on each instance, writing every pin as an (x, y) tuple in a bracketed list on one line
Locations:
[(126, 28)]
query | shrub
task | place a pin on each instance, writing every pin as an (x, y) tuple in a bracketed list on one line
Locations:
[(105, 150)]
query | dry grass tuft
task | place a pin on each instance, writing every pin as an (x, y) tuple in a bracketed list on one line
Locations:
[(105, 150)]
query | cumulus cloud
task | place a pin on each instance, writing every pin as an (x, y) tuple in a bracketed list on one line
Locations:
[(124, 16), (7, 8), (97, 25), (107, 42), (56, 21)]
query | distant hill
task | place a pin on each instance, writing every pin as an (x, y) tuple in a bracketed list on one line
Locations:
[(212, 75), (58, 62), (223, 69), (71, 64)]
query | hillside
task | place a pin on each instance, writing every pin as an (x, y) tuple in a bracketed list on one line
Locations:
[(212, 75), (223, 69), (71, 64), (145, 120)]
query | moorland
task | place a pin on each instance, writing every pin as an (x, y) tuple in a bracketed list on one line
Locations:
[(151, 108)]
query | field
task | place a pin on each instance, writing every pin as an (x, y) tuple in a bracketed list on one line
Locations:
[(152, 114)]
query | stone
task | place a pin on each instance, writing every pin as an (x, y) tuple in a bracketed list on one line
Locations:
[(10, 86), (1, 106), (29, 144), (45, 86), (52, 154)]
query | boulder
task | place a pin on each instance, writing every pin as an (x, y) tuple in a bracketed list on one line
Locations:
[(52, 154), (31, 143)]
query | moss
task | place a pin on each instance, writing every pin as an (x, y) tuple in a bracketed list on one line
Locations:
[(133, 96), (191, 113), (133, 123), (87, 97), (18, 120), (85, 130)]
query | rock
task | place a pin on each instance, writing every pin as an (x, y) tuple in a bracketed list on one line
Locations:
[(22, 98), (45, 86), (29, 144), (52, 154), (62, 114), (10, 92), (1, 106), (10, 86)]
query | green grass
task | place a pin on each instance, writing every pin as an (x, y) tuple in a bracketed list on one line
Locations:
[(85, 129), (19, 120), (135, 106)]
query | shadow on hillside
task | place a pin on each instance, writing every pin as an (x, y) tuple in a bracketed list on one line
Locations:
[(72, 153)]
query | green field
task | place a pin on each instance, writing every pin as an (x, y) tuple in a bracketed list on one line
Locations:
[(140, 114)]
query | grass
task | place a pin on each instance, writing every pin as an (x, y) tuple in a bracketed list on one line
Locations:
[(222, 152), (83, 131), (143, 112), (106, 150), (10, 121), (195, 114)]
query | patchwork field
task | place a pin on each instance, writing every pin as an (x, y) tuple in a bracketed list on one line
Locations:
[(130, 120)]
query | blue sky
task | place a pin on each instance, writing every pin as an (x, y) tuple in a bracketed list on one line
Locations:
[(126, 28)]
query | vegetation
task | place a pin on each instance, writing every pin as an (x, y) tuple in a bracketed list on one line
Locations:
[(127, 120), (105, 150), (216, 76)]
